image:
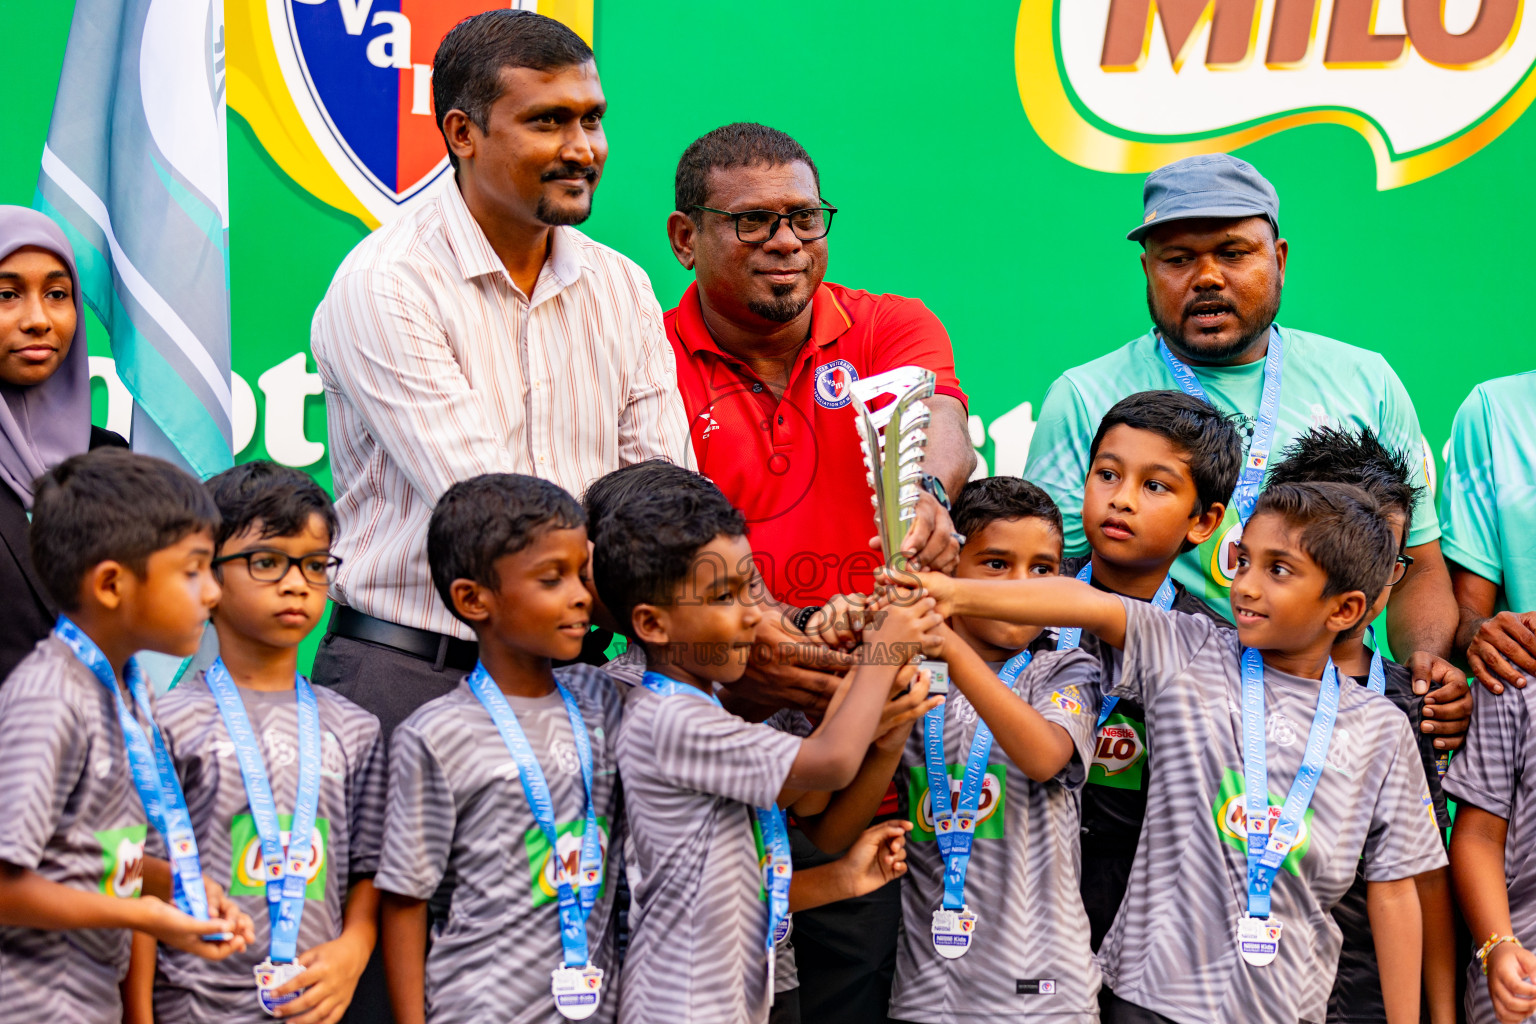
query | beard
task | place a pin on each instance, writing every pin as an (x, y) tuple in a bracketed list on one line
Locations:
[(783, 307), (1193, 347), (560, 216)]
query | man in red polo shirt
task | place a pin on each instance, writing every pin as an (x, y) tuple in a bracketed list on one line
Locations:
[(765, 354)]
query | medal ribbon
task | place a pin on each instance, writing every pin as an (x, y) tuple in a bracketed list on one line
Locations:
[(1377, 680), (574, 908), (286, 869), (770, 821), (154, 776), (1246, 494), (954, 825), (1266, 852), (1072, 636)]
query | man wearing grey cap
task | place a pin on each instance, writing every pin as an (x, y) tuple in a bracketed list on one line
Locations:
[(1215, 264)]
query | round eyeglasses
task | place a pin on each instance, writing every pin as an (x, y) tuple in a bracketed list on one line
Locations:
[(269, 566)]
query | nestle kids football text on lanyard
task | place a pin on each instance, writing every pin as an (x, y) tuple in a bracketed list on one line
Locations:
[(286, 869), (777, 868), (954, 824), (1072, 636), (154, 777), (576, 985), (1246, 494), (1271, 837)]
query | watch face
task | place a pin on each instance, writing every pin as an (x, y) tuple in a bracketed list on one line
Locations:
[(934, 486)]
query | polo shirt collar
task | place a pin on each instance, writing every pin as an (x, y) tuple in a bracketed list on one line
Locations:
[(829, 321), (473, 250)]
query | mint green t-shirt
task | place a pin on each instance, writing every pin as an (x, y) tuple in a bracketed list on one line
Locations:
[(1324, 383), (1488, 502)]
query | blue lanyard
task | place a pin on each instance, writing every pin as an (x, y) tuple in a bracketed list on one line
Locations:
[(1267, 849), (154, 776), (1246, 494), (955, 825), (1377, 680), (770, 822), (574, 909), (1072, 636), (286, 870)]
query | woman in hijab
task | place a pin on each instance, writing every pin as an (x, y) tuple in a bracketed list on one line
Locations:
[(45, 405)]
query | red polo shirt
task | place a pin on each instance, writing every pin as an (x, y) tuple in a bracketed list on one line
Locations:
[(793, 465)]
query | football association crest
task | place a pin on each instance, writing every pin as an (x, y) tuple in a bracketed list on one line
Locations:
[(1130, 85), (339, 92)]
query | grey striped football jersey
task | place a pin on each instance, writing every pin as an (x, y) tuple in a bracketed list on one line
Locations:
[(456, 808), (1489, 773), (1173, 946), (1030, 957), (693, 772), (71, 815), (349, 822)]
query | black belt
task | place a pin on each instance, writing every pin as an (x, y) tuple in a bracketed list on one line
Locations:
[(440, 649)]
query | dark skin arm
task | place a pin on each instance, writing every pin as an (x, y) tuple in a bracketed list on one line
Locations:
[(404, 933), (1421, 616), (1500, 648), (1477, 869), (1396, 924)]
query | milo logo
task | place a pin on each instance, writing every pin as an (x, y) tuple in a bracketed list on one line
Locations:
[(248, 871), (545, 870), (1231, 816), (989, 807), (122, 861), (1129, 85), (1119, 754)]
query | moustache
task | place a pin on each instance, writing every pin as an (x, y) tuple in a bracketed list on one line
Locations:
[(1208, 305), (569, 171)]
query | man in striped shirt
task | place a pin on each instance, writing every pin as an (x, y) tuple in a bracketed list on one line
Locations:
[(480, 334)]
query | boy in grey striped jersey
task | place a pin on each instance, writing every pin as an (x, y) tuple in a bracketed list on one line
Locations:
[(1028, 957), (274, 563), (493, 787), (1204, 935), (123, 543), (711, 873)]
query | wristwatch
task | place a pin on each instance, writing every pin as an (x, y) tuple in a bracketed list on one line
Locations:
[(934, 486)]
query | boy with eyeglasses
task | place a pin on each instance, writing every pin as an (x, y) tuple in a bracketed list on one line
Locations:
[(285, 782)]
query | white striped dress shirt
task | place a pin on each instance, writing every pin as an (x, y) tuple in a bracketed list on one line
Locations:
[(437, 368)]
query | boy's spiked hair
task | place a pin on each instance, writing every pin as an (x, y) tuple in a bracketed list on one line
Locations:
[(1203, 433), (646, 547), (280, 498), (1330, 455), (1340, 527), (479, 520), (110, 504), (983, 502)]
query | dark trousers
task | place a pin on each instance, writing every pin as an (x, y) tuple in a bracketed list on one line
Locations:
[(1114, 1010), (392, 685), (845, 952), (786, 1007)]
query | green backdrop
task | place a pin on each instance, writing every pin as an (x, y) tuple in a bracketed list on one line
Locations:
[(913, 114)]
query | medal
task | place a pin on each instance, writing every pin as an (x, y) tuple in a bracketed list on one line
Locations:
[(953, 931), (269, 978), (576, 990), (781, 931), (1258, 940)]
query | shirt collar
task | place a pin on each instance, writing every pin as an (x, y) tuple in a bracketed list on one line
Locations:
[(829, 321), (473, 250)]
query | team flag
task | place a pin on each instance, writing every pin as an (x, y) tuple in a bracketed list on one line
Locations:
[(134, 172)]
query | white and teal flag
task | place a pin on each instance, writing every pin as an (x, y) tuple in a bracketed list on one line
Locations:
[(135, 173)]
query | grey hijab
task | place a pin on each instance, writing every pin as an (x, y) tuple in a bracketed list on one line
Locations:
[(42, 425)]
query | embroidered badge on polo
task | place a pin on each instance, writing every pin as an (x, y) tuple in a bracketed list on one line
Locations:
[(832, 383)]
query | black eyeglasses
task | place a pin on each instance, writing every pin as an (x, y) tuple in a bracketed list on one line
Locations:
[(268, 566), (758, 226), (1400, 569)]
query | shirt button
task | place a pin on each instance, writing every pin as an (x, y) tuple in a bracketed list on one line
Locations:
[(757, 388), (538, 384), (542, 460)]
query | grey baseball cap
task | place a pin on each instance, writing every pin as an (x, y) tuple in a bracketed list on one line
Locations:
[(1211, 185)]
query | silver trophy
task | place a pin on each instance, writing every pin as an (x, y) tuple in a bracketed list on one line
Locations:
[(893, 439)]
